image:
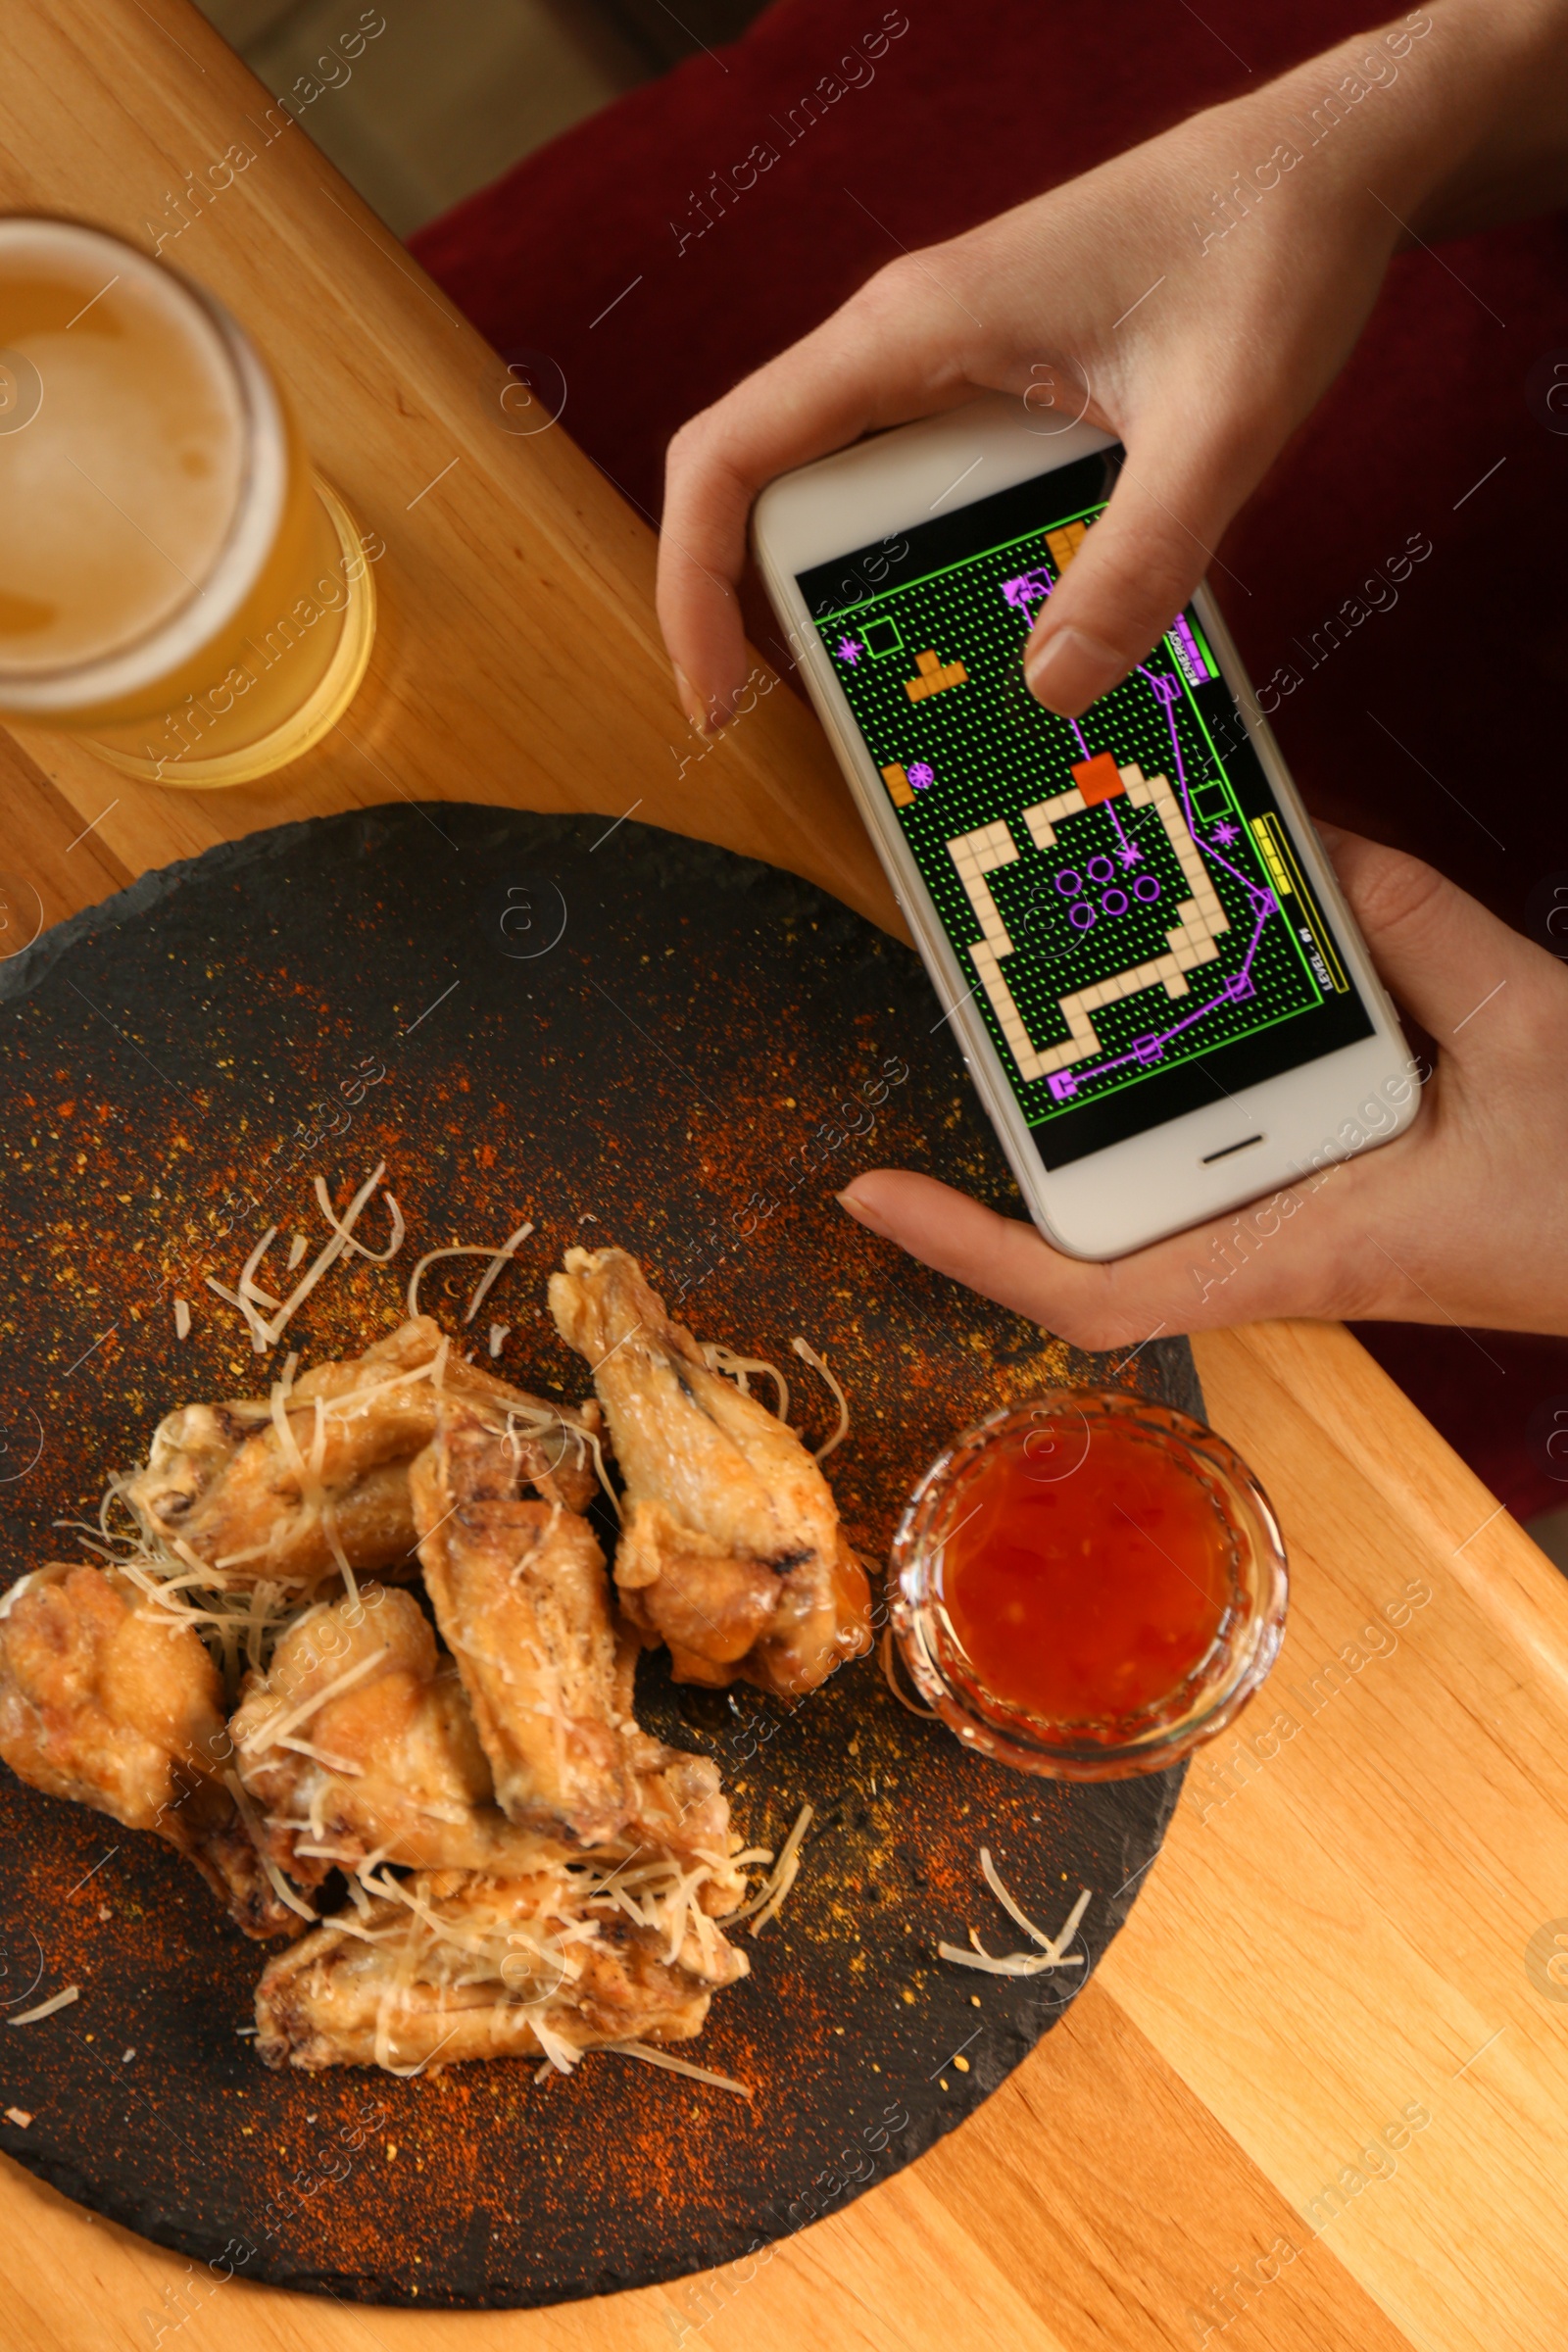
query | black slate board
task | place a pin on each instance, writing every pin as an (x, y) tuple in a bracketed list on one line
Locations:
[(525, 1016)]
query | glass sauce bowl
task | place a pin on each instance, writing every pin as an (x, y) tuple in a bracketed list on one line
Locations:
[(1089, 1585)]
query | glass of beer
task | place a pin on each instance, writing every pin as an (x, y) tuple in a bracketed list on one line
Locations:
[(177, 584)]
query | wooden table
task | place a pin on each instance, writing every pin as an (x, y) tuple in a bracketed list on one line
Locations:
[(1348, 1929)]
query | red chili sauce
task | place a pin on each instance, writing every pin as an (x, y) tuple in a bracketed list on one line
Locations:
[(1086, 1592)]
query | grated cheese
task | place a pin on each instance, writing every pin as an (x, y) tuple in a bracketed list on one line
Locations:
[(327, 1257), (503, 1258), (561, 2055), (677, 2065), (499, 1332), (809, 1356), (183, 1318), (249, 1295), (344, 1766), (1053, 1948), (57, 2000), (378, 1258), (269, 1732), (1010, 1964), (742, 1368), (313, 1495), (462, 1250), (590, 1438), (165, 1572), (769, 1901), (14, 1592)]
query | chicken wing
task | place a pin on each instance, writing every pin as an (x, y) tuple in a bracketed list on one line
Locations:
[(254, 1490), (359, 1744), (523, 1600), (731, 1550), (681, 1810), (448, 1966), (107, 1700)]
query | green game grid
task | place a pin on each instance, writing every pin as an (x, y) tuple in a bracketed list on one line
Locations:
[(996, 752)]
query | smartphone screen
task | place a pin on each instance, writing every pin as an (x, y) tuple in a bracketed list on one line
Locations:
[(1120, 890)]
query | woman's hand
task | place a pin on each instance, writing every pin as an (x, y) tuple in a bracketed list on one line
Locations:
[(1458, 1220), (1195, 297)]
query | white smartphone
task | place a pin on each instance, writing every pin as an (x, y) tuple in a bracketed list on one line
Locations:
[(1157, 988)]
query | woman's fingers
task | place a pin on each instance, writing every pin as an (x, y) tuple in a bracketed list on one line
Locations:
[(1304, 1252), (1343, 1239), (1445, 956), (874, 363)]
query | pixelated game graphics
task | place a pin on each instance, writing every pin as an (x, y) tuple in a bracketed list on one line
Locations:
[(1123, 900)]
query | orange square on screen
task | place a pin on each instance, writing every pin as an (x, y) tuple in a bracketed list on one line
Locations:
[(1066, 543), (1099, 778)]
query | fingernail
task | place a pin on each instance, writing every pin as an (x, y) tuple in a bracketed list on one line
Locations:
[(1073, 669), (858, 1210)]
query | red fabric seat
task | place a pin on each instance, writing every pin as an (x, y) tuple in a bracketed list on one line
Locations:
[(663, 248)]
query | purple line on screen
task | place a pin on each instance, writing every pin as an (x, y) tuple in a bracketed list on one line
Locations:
[(1264, 903)]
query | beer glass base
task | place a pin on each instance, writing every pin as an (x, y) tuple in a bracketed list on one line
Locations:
[(316, 717)]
